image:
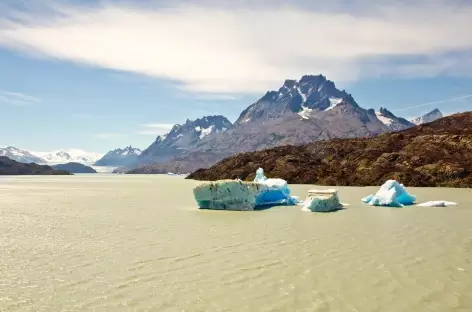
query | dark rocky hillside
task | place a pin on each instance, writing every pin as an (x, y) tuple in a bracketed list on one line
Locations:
[(11, 167), (432, 154), (75, 168)]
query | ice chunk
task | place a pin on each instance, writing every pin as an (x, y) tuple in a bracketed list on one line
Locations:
[(227, 195), (239, 195), (438, 203), (275, 192), (322, 201), (392, 194), (260, 177)]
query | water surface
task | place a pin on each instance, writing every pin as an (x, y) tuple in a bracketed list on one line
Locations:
[(138, 243)]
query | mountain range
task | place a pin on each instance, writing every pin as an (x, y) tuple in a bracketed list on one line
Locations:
[(299, 112), (55, 157)]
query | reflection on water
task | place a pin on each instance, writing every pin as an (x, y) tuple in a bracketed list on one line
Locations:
[(138, 243)]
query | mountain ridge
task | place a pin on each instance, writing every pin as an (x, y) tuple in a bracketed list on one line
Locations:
[(438, 153), (119, 157), (300, 112)]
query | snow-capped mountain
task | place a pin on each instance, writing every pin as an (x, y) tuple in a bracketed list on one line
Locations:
[(70, 155), (119, 157), (184, 137), (393, 122), (299, 112), (20, 155), (429, 117), (305, 97)]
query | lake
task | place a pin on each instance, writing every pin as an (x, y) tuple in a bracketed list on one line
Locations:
[(138, 243)]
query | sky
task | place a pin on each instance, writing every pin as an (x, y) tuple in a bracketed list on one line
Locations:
[(98, 75)]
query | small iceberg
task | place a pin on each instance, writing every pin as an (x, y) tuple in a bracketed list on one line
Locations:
[(240, 195), (438, 203), (390, 194), (322, 201)]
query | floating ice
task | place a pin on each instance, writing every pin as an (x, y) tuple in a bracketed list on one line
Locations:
[(438, 203), (392, 194), (239, 195), (227, 195), (322, 201), (276, 191)]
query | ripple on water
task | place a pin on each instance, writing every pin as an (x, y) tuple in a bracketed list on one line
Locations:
[(124, 244)]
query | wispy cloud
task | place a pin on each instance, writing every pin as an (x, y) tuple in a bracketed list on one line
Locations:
[(246, 48), (96, 116), (155, 129), (105, 136), (16, 98), (454, 99)]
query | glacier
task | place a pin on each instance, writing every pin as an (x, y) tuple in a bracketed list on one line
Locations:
[(390, 194), (240, 195)]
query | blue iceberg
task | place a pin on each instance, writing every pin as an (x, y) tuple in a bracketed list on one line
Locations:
[(390, 194), (274, 192), (239, 195)]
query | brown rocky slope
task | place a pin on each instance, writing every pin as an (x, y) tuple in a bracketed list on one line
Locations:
[(432, 154)]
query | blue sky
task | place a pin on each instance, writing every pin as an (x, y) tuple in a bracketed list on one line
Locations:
[(101, 75)]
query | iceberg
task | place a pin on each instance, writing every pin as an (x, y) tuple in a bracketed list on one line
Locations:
[(273, 192), (390, 194), (437, 203), (322, 201), (240, 195)]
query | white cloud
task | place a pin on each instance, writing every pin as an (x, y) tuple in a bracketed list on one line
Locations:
[(217, 49), (155, 129), (16, 98), (107, 135)]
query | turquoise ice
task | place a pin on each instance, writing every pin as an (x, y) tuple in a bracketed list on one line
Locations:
[(239, 195), (391, 194)]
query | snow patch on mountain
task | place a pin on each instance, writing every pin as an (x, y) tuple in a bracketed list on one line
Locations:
[(385, 120), (205, 131), (305, 113), (333, 102)]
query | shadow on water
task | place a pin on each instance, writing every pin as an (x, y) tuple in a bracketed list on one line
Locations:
[(266, 207)]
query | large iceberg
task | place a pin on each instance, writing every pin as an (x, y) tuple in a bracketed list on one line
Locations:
[(322, 201), (239, 195), (227, 195), (391, 194)]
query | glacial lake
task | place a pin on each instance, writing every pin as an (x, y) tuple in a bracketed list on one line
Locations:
[(139, 243)]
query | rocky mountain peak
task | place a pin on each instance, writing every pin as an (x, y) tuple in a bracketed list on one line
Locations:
[(429, 117), (119, 157), (186, 136), (20, 155), (393, 122), (310, 93)]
